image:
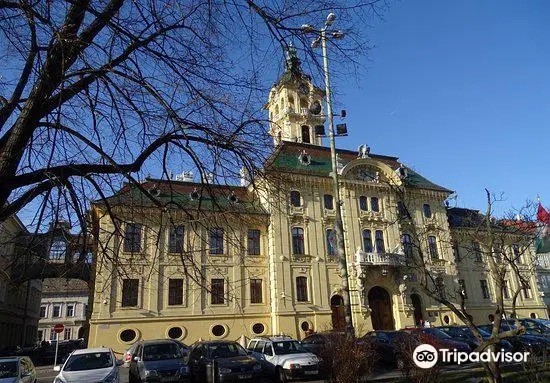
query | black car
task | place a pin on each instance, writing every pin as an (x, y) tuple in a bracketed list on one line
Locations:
[(158, 361), (315, 343), (525, 342), (222, 361), (387, 346), (465, 334)]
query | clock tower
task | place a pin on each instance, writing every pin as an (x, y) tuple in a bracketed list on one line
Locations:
[(293, 105)]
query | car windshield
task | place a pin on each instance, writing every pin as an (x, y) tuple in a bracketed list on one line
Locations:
[(161, 351), (225, 350), (90, 361), (437, 333), (288, 347), (8, 369)]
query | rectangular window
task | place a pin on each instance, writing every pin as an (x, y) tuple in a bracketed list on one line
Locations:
[(462, 286), (298, 241), (407, 245), (253, 242), (331, 242), (53, 335), (432, 247), (367, 241), (498, 252), (175, 292), (380, 248), (363, 203), (516, 252), (56, 313), (256, 291), (216, 240), (426, 208), (301, 289), (402, 210), (175, 239), (132, 238), (505, 291), (42, 311), (130, 292), (526, 290), (374, 206), (295, 198), (67, 334), (329, 201), (484, 289), (217, 292), (476, 250), (70, 310)]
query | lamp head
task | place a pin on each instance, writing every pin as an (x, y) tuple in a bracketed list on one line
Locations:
[(330, 19)]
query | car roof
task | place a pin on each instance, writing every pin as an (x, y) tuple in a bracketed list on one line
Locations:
[(91, 350), (216, 342), (157, 341)]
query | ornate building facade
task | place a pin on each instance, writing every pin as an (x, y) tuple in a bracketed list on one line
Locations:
[(225, 261)]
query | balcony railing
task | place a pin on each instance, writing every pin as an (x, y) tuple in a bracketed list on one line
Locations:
[(377, 259)]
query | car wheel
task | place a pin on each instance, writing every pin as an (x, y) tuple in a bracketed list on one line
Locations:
[(281, 375), (399, 362)]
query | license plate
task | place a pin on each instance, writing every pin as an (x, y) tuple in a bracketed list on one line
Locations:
[(312, 372), (245, 376)]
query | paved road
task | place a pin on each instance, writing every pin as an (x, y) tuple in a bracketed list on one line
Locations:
[(46, 374)]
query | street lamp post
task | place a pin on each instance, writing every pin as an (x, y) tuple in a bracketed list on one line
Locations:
[(338, 224)]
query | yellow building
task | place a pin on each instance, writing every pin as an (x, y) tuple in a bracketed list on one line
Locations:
[(225, 261)]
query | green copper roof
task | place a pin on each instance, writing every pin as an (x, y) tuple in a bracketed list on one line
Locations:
[(286, 158)]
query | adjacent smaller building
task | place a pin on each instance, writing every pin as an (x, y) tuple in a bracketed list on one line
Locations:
[(63, 301)]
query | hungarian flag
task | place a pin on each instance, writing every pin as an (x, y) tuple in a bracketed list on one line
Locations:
[(543, 240)]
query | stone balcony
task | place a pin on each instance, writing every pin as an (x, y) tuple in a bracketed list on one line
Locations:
[(377, 259)]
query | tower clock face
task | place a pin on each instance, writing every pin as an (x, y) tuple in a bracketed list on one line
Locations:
[(304, 89)]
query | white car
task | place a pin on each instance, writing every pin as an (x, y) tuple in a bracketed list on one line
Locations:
[(89, 365), (285, 357)]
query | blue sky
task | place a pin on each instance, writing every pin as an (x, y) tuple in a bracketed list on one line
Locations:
[(460, 91)]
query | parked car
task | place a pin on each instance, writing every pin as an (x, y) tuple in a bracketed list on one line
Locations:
[(18, 369), (129, 355), (316, 342), (532, 326), (284, 357), (89, 365), (524, 342), (158, 361), (437, 338), (466, 335), (387, 345), (222, 361)]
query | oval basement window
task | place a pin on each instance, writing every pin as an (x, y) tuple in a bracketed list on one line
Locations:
[(175, 332), (128, 335), (218, 330), (258, 328), (304, 326)]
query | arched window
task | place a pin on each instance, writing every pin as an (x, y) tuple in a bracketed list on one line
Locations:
[(295, 198), (306, 139), (329, 201), (363, 205), (427, 210), (367, 241), (297, 240), (374, 204), (380, 248)]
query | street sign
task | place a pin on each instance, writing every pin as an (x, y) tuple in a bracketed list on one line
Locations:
[(58, 328)]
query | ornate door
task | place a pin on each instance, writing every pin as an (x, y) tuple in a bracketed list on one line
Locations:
[(381, 309)]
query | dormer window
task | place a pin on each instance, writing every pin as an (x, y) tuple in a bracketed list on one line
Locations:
[(58, 249), (295, 198)]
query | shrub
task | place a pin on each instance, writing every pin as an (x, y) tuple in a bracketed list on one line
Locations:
[(410, 371), (347, 360)]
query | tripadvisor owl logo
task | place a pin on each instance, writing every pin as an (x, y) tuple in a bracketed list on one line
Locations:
[(425, 356)]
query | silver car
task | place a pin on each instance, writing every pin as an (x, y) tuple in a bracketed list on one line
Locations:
[(17, 369), (89, 365)]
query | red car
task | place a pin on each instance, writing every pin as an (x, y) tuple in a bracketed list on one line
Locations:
[(437, 338)]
